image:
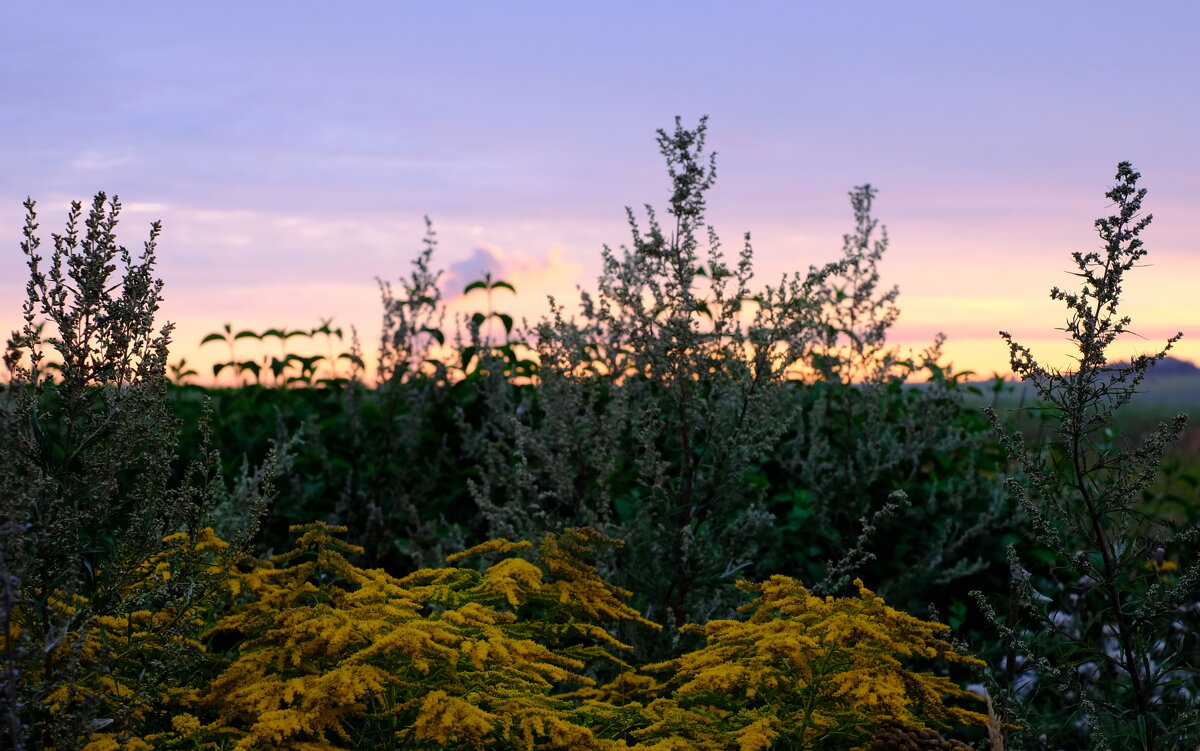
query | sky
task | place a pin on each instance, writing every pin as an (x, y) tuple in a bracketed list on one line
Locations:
[(292, 150)]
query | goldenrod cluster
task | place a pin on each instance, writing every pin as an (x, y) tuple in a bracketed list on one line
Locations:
[(132, 654), (329, 656), (332, 656), (807, 672)]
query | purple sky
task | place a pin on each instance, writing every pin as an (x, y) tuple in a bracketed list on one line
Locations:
[(292, 149)]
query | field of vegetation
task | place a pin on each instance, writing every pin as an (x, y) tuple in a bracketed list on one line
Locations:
[(701, 514)]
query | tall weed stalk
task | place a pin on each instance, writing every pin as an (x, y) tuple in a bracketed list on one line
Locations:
[(1102, 628)]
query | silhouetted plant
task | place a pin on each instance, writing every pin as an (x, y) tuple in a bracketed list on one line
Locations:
[(662, 393), (669, 411), (85, 461), (1103, 627), (489, 287), (862, 432), (180, 372), (412, 323), (482, 354), (238, 366), (278, 366)]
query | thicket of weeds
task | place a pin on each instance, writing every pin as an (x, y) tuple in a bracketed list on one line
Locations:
[(723, 431)]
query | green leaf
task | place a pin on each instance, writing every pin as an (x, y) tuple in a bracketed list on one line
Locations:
[(474, 285), (506, 320), (352, 358), (435, 333), (247, 334), (478, 319), (625, 509), (310, 363), (307, 364), (468, 354), (1044, 556), (212, 338), (958, 614), (505, 285)]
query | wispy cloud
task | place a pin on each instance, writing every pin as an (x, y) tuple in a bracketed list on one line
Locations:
[(103, 159)]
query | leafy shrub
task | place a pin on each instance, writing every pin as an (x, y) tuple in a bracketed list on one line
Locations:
[(139, 666), (862, 432), (87, 441), (719, 429)]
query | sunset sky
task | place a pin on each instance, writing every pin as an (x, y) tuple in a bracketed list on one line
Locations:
[(291, 149)]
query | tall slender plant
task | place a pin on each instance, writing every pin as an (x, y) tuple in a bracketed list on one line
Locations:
[(1104, 633), (412, 322)]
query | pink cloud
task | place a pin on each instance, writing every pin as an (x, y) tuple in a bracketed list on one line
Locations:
[(529, 274)]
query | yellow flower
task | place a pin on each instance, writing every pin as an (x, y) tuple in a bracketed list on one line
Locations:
[(1163, 567), (184, 723), (444, 655), (819, 668)]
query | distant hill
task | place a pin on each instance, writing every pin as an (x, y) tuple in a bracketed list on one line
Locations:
[(1168, 367), (1172, 383)]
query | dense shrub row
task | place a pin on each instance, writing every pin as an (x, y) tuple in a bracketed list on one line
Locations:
[(723, 434)]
